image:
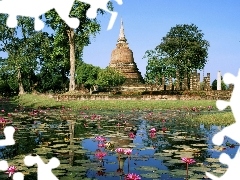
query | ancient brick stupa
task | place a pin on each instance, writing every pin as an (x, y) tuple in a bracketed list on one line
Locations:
[(122, 60)]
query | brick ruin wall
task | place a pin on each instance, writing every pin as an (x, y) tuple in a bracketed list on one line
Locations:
[(164, 91)]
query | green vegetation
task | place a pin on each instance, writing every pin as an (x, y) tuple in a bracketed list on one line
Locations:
[(223, 85), (89, 75), (35, 101), (110, 77), (223, 118), (183, 49)]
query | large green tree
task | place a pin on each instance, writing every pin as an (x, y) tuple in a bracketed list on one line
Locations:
[(22, 45), (87, 74), (54, 66), (72, 41), (183, 49), (110, 77)]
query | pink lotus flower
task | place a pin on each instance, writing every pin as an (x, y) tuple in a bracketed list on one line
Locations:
[(2, 120), (128, 151), (11, 170), (120, 150), (153, 130), (100, 155), (131, 135), (100, 138), (101, 145), (152, 135), (188, 160), (132, 176)]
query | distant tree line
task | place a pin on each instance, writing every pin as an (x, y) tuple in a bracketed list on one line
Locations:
[(52, 62)]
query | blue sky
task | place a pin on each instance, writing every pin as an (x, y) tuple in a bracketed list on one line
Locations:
[(147, 21)]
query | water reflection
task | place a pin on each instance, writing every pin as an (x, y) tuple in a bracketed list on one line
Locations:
[(155, 154)]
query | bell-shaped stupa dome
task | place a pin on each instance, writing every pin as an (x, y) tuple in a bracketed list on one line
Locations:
[(122, 59)]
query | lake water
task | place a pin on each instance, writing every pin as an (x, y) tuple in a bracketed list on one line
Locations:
[(70, 136)]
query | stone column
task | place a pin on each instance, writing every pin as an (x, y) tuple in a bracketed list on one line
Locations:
[(208, 81), (198, 81), (163, 83), (205, 83), (170, 83), (219, 81), (177, 81), (163, 80), (191, 81), (194, 80), (231, 86), (185, 84)]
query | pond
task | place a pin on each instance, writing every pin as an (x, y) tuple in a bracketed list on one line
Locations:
[(87, 143)]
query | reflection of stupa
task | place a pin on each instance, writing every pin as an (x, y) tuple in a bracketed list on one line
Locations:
[(122, 59)]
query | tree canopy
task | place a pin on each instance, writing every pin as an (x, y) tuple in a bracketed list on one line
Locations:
[(44, 61), (183, 49), (110, 77), (87, 74), (76, 39)]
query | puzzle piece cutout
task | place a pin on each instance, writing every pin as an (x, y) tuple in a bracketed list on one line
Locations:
[(3, 165), (36, 8), (8, 133), (233, 167), (44, 171), (18, 176), (231, 131)]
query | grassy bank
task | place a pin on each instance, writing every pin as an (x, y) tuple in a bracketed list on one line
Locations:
[(223, 118), (35, 101)]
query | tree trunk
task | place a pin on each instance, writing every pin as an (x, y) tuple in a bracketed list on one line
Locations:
[(20, 84), (72, 59)]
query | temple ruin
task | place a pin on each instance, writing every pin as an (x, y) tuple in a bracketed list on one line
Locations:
[(122, 60)]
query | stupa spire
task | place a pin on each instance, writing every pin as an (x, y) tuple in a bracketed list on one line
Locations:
[(122, 38)]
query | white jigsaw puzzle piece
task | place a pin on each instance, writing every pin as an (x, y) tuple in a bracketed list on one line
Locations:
[(101, 4), (233, 167), (44, 171), (8, 133), (18, 176), (3, 165), (36, 8), (231, 131)]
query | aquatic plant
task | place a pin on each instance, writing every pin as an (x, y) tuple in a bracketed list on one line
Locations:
[(11, 170), (132, 176), (100, 155), (188, 161), (100, 138), (120, 151), (128, 151)]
